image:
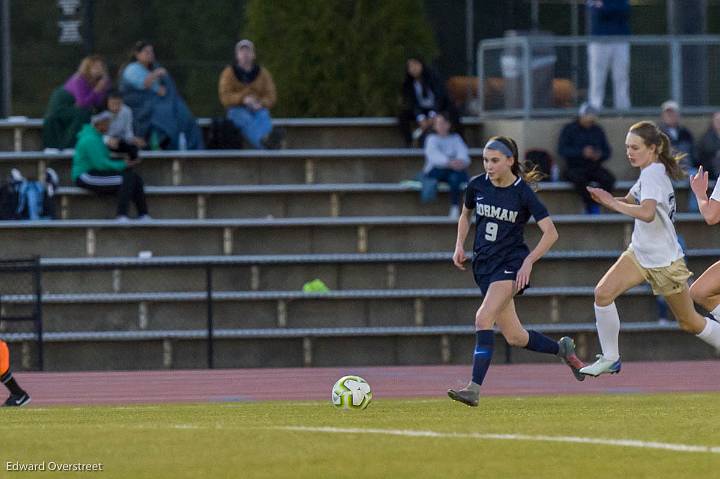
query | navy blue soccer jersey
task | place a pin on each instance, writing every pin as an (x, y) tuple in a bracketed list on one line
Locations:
[(501, 215)]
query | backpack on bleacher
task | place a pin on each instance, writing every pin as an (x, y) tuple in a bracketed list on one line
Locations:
[(25, 200), (224, 135), (8, 201)]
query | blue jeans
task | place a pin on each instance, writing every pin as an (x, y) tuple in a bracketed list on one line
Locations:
[(254, 125), (453, 178)]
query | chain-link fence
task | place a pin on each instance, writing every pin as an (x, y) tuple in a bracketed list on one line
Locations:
[(544, 75)]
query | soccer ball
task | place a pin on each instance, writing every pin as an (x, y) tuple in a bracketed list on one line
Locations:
[(351, 392)]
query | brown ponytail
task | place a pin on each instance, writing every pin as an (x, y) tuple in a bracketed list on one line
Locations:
[(652, 135), (518, 168)]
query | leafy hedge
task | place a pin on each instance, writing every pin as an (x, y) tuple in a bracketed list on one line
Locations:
[(338, 57)]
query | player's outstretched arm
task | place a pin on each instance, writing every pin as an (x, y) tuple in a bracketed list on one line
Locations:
[(710, 209), (462, 232), (645, 211), (549, 237)]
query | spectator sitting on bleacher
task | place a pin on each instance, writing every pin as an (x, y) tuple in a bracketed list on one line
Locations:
[(161, 117), (120, 137), (680, 137), (708, 148), (584, 147), (72, 104), (423, 96), (95, 170), (681, 140), (247, 91), (447, 160)]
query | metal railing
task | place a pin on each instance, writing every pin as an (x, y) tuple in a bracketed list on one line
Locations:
[(23, 277), (518, 75), (204, 280)]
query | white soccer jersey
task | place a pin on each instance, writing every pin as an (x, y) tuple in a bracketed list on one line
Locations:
[(716, 191), (655, 244)]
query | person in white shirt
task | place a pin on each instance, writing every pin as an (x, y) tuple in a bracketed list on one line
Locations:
[(447, 160), (654, 254), (120, 136), (705, 291)]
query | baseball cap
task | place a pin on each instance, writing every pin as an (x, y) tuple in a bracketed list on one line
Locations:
[(245, 43), (586, 109), (670, 105)]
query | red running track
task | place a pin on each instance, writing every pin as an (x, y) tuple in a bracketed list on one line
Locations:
[(229, 385)]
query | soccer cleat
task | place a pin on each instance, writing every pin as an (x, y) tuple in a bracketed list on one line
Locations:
[(567, 353), (602, 366), (465, 396), (17, 400)]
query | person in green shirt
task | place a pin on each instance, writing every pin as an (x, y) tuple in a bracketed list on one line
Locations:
[(94, 169)]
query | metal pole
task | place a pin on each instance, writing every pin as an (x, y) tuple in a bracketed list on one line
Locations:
[(469, 36), (534, 16), (481, 78), (671, 17), (37, 276), (575, 54), (5, 63), (210, 348), (527, 77), (675, 71), (89, 26)]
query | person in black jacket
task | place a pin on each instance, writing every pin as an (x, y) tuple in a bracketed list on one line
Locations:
[(682, 142), (681, 139), (423, 97), (584, 147), (708, 148)]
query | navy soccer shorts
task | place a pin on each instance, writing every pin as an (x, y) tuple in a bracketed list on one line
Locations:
[(504, 270)]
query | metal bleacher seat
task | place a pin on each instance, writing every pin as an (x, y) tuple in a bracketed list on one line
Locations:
[(238, 333)]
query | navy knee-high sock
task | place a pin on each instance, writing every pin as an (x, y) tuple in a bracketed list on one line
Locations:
[(484, 345), (541, 343), (9, 382)]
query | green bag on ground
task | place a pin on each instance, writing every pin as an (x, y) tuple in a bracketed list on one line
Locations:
[(315, 286)]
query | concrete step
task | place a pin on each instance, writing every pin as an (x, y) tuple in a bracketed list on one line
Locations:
[(26, 135), (77, 238), (280, 201), (394, 346), (243, 167), (349, 273), (294, 309)]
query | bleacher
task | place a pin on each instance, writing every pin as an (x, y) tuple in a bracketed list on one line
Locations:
[(342, 206)]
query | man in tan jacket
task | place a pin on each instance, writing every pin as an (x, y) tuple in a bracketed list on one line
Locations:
[(247, 91)]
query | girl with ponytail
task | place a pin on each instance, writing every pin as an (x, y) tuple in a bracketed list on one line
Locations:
[(503, 202), (705, 291), (654, 255)]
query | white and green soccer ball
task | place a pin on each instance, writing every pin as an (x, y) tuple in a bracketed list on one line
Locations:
[(351, 392)]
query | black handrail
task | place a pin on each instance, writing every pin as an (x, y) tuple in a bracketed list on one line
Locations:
[(33, 267)]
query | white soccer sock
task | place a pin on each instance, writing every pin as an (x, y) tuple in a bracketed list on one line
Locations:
[(608, 327), (711, 333), (716, 312)]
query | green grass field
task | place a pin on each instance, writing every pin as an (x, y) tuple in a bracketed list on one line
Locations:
[(247, 440)]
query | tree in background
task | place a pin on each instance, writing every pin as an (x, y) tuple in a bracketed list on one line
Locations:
[(337, 57), (328, 57), (194, 39)]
